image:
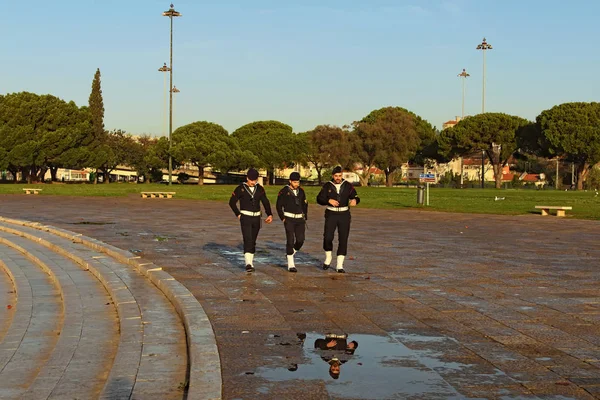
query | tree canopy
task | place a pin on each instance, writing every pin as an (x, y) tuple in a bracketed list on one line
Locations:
[(388, 138), (272, 142), (572, 131), (205, 144), (325, 146), (36, 132), (494, 133)]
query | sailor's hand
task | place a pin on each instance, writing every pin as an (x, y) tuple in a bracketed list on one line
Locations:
[(239, 216), (269, 219), (352, 202), (331, 343), (334, 203)]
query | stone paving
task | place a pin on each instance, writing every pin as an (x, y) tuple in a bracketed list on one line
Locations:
[(471, 306)]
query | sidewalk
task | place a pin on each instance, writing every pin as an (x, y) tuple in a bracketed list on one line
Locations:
[(474, 306)]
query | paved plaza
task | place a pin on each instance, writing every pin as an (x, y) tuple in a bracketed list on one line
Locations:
[(442, 305)]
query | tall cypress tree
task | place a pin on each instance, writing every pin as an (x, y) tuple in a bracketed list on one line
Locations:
[(97, 107)]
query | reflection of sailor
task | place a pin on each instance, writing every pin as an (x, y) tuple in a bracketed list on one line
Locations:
[(340, 344)]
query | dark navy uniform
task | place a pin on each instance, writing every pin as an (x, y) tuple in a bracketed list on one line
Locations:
[(292, 208), (337, 217), (249, 213)]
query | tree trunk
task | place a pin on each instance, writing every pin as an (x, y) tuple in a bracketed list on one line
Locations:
[(270, 177), (96, 177), (42, 174), (364, 178), (53, 172), (13, 172), (498, 175), (582, 172), (388, 177), (201, 174), (319, 174), (106, 174)]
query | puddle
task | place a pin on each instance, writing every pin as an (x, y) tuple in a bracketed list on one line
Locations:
[(274, 254), (381, 367), (92, 223)]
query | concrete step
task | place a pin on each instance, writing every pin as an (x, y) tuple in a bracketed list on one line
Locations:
[(34, 332), (8, 301), (163, 365), (88, 339), (166, 341)]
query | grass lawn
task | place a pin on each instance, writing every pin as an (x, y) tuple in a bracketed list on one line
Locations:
[(585, 204)]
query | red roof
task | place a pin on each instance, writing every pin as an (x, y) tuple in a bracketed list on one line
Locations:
[(531, 178)]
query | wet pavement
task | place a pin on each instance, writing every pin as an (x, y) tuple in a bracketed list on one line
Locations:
[(443, 306)]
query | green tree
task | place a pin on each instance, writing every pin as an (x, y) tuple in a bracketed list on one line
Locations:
[(494, 133), (156, 158), (388, 138), (203, 144), (272, 142), (325, 146), (99, 150), (571, 131), (37, 132)]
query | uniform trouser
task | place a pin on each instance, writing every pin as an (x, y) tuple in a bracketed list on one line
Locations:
[(294, 233), (341, 222), (250, 227)]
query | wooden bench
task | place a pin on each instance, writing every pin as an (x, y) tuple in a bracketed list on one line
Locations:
[(160, 195), (560, 210), (32, 191)]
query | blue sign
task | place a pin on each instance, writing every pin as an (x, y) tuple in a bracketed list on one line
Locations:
[(426, 176)]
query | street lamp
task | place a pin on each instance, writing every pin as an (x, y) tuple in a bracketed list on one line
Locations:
[(171, 13), (463, 75), (164, 68), (174, 90), (483, 46)]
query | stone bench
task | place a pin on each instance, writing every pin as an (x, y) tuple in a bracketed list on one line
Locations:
[(166, 195), (32, 190), (560, 210)]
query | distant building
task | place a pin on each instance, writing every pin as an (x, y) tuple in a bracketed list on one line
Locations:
[(451, 123)]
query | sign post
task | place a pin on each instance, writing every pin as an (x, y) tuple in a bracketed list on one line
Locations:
[(427, 179)]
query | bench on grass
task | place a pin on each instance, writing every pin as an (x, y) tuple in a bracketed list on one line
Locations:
[(560, 210), (160, 195), (32, 191)]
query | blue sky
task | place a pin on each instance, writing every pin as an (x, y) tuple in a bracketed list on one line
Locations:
[(302, 62)]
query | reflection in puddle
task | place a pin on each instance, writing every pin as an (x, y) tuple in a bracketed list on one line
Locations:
[(379, 367)]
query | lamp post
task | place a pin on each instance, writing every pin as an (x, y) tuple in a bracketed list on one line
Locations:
[(483, 46), (174, 90), (164, 68), (463, 75), (482, 169), (171, 13)]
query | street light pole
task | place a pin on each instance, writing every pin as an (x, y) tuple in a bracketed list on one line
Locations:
[(482, 169), (171, 13), (483, 46), (464, 75), (164, 68)]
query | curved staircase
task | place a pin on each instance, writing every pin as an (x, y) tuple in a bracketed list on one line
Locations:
[(82, 319)]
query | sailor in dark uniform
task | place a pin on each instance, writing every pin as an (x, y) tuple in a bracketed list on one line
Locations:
[(292, 209), (250, 194), (338, 195)]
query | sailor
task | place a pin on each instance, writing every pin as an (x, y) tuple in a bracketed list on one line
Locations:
[(250, 194), (292, 208), (338, 195)]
